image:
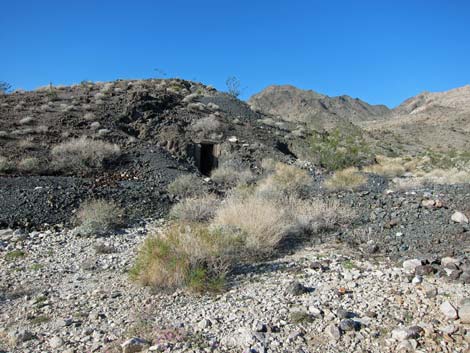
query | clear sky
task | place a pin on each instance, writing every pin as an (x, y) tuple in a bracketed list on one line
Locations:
[(380, 51)]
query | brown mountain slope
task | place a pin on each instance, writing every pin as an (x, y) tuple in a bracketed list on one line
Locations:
[(438, 120), (294, 104)]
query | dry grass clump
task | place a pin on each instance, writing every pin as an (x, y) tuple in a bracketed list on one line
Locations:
[(5, 164), (199, 209), (230, 176), (388, 167), (266, 223), (268, 165), (29, 164), (435, 176), (187, 185), (98, 217), (286, 181), (346, 179), (191, 256), (83, 154), (209, 123), (262, 222)]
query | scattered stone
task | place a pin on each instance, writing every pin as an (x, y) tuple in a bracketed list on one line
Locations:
[(20, 335), (349, 325), (410, 265), (56, 342), (448, 310), (134, 345), (464, 314), (403, 333), (297, 288), (459, 217), (334, 332)]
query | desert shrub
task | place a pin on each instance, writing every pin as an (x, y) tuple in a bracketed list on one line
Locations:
[(98, 217), (346, 179), (268, 165), (187, 185), (29, 164), (340, 149), (198, 209), (233, 86), (286, 180), (4, 87), (5, 164), (82, 154), (264, 224), (387, 167), (230, 176), (185, 255), (206, 124), (26, 120)]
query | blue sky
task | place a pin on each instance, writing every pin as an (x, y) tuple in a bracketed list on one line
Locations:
[(379, 51)]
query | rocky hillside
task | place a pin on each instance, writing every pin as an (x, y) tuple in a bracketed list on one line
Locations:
[(428, 121), (294, 104), (154, 126)]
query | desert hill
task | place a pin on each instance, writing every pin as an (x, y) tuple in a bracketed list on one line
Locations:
[(438, 121), (294, 104)]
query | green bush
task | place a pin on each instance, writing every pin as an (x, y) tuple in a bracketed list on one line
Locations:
[(340, 149), (185, 255)]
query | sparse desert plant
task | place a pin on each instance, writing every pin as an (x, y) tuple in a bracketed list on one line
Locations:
[(233, 86), (198, 209), (29, 164), (265, 224), (184, 255), (230, 176), (340, 149), (187, 185), (4, 87), (98, 217), (387, 167), (207, 124), (286, 181), (346, 179), (83, 154), (26, 120), (5, 164), (268, 165)]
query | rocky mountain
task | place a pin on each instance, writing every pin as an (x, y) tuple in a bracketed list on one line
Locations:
[(438, 120), (294, 104)]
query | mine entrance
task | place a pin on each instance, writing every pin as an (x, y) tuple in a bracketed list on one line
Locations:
[(207, 157)]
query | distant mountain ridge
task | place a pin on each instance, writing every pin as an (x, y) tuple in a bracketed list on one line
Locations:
[(294, 104)]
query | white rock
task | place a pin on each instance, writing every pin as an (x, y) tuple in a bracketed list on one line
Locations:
[(464, 314), (459, 217), (448, 310), (56, 342), (134, 345), (410, 265)]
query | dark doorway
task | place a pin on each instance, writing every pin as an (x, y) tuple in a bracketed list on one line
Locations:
[(207, 157)]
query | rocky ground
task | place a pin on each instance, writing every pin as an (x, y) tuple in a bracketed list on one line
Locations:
[(396, 281)]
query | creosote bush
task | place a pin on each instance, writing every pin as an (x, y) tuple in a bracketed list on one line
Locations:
[(346, 179), (187, 185), (340, 149), (98, 217), (83, 154)]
